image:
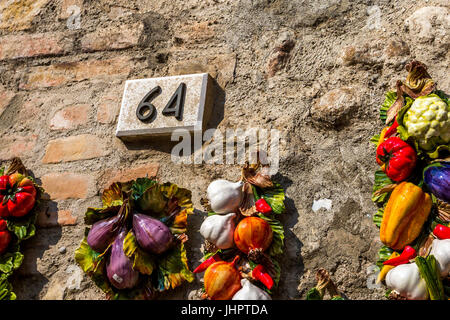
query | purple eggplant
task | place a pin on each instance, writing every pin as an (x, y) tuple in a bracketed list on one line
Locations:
[(152, 235), (103, 233), (437, 179), (120, 268)]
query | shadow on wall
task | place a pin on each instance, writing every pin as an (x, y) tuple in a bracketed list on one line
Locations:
[(29, 280), (164, 143)]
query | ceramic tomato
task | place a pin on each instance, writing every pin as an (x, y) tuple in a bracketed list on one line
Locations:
[(17, 195), (5, 236)]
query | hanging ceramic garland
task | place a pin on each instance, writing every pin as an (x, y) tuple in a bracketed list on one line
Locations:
[(243, 237), (412, 189), (19, 198), (135, 245)]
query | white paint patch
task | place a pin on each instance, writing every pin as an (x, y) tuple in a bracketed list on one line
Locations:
[(371, 282), (322, 203), (76, 276)]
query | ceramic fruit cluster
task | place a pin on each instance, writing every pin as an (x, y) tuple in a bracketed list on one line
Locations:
[(135, 246), (243, 236), (19, 198), (412, 189)]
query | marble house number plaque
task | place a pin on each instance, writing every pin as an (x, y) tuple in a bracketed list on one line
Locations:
[(158, 106)]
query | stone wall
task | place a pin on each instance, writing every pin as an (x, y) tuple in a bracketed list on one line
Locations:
[(282, 64)]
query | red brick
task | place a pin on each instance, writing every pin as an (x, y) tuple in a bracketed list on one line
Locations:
[(19, 14), (66, 5), (48, 219), (70, 117), (24, 46), (74, 148), (5, 98), (110, 176), (17, 146), (121, 37), (68, 185), (59, 74)]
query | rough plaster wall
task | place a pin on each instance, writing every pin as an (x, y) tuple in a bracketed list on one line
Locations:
[(282, 64)]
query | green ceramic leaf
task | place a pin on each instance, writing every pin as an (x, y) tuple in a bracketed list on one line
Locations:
[(10, 261), (277, 244), (389, 99), (6, 289), (152, 200), (93, 215), (378, 217), (375, 139), (173, 268), (383, 254), (87, 258), (274, 197), (140, 186), (381, 180), (313, 294), (23, 228), (112, 197)]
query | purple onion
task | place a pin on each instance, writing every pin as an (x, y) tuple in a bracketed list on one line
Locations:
[(102, 233), (437, 178), (120, 268), (152, 235)]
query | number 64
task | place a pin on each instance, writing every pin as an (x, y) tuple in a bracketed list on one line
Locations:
[(146, 112)]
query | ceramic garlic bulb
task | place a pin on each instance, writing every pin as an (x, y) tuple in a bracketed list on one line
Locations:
[(219, 229), (250, 292), (441, 251), (225, 196), (405, 279)]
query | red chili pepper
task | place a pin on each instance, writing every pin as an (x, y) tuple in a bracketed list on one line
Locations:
[(392, 129), (205, 264), (407, 254), (442, 232), (260, 273), (262, 206)]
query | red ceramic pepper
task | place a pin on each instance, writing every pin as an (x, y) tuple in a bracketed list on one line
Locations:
[(407, 254), (260, 273), (262, 206), (396, 158), (205, 264), (442, 232), (392, 129)]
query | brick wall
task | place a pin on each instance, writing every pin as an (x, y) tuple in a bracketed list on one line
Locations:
[(61, 84), (281, 64)]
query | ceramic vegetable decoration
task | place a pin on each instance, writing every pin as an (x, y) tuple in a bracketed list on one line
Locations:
[(243, 237), (412, 189), (19, 198), (135, 245)]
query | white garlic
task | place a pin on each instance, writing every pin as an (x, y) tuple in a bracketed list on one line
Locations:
[(250, 292), (405, 279), (441, 251), (219, 229), (225, 196)]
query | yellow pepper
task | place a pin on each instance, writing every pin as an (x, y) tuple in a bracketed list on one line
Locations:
[(386, 267), (405, 213)]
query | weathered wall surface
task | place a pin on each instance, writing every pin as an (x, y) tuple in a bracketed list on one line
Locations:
[(282, 64)]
